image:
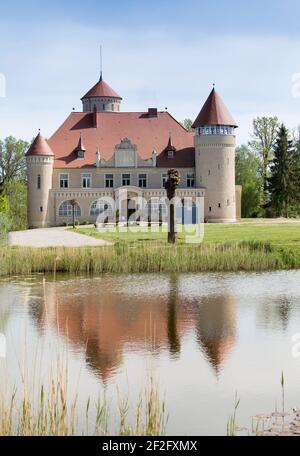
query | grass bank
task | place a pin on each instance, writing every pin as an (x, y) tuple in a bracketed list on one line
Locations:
[(145, 257)]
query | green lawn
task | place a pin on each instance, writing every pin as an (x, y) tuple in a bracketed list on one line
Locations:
[(278, 234)]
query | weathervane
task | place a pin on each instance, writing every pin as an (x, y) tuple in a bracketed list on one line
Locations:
[(100, 62)]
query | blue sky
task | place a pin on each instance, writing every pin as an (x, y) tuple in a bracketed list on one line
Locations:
[(158, 53)]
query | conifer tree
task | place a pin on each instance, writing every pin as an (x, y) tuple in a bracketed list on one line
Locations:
[(282, 183)]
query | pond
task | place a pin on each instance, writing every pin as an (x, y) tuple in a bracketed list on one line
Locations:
[(204, 337)]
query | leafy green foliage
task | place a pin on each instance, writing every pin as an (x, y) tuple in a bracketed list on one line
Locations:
[(247, 174), (13, 189), (187, 123), (12, 160), (265, 131), (16, 194)]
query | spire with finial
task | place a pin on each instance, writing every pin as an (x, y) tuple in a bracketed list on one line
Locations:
[(80, 145), (170, 145), (101, 76), (101, 95)]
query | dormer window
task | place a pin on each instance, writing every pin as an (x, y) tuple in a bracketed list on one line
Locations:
[(80, 149), (170, 149)]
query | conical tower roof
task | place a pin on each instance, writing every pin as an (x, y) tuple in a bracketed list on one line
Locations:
[(101, 89), (214, 112), (40, 146)]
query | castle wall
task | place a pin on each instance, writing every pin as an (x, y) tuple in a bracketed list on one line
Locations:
[(154, 176), (102, 104), (215, 170), (39, 177)]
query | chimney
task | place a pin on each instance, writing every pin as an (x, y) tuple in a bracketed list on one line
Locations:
[(152, 112)]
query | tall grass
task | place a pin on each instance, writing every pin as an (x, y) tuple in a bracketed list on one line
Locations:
[(49, 408), (145, 257)]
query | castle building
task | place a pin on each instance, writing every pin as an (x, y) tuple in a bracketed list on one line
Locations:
[(97, 153)]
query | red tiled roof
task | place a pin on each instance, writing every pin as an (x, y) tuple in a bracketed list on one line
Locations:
[(40, 146), (148, 133), (101, 89), (214, 112)]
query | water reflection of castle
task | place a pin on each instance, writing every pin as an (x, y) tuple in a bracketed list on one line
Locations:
[(109, 322)]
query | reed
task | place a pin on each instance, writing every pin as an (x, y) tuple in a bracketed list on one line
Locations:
[(144, 257), (50, 409)]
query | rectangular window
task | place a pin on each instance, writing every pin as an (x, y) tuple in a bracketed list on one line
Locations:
[(190, 180), (164, 178), (170, 154), (109, 180), (125, 179), (143, 180), (38, 181), (63, 180), (80, 154), (86, 180)]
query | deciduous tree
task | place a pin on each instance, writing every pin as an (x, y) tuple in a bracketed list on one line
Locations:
[(247, 174), (265, 131)]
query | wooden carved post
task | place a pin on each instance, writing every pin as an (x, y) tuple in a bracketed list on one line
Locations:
[(171, 185), (160, 215)]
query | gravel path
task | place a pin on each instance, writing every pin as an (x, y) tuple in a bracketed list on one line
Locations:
[(52, 237)]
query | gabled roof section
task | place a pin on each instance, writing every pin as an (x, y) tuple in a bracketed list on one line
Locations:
[(40, 146), (148, 133), (214, 112), (101, 89)]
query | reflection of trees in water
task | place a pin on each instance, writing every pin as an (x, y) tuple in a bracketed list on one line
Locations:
[(4, 317), (274, 313), (105, 323)]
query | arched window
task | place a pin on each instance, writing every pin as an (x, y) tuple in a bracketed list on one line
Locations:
[(99, 207), (66, 209)]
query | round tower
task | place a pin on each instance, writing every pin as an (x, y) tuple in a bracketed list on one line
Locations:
[(215, 159), (39, 160), (101, 98)]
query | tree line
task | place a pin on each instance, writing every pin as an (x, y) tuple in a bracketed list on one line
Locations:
[(268, 168)]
